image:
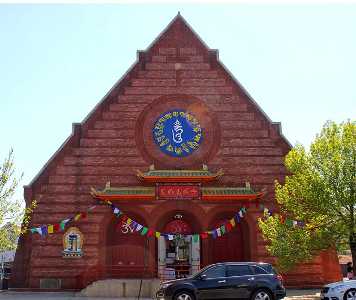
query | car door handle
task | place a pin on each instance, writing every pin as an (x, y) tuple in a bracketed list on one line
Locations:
[(252, 278), (221, 281)]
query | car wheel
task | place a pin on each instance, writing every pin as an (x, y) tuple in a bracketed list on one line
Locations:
[(183, 295), (262, 295), (350, 294)]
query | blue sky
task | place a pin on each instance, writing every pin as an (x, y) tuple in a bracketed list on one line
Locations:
[(57, 61)]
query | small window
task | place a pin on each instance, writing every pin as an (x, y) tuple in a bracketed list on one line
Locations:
[(238, 270), (215, 272), (258, 270)]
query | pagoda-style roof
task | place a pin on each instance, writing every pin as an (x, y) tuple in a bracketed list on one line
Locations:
[(178, 192), (124, 193), (230, 193), (156, 176)]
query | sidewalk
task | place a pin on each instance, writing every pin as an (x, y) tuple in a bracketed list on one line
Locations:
[(303, 294), (292, 294)]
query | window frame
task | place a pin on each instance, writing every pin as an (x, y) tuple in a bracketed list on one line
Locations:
[(232, 265), (215, 266)]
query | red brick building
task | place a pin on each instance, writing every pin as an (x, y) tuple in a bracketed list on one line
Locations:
[(179, 146)]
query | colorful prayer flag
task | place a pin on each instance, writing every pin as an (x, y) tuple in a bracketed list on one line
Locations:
[(44, 230), (232, 222), (150, 233), (56, 227), (50, 229), (238, 218), (158, 234), (195, 238), (144, 230), (204, 235), (214, 234), (222, 229)]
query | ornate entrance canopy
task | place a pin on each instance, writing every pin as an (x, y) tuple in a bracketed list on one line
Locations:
[(178, 185)]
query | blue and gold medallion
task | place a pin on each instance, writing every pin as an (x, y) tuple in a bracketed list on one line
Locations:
[(177, 133)]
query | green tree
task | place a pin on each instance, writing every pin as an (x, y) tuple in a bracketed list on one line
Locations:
[(320, 194), (11, 212)]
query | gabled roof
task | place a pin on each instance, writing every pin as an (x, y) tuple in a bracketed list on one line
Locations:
[(178, 31)]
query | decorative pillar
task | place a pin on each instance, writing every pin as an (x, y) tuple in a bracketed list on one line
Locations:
[(195, 254), (161, 256)]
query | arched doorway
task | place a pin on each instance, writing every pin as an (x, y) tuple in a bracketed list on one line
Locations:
[(178, 252), (127, 251)]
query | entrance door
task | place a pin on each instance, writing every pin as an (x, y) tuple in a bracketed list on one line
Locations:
[(228, 247), (179, 253), (127, 253)]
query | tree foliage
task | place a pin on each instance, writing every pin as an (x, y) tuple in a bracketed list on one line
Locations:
[(11, 211), (320, 192)]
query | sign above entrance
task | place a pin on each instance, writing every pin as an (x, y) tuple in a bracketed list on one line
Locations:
[(177, 133), (178, 192)]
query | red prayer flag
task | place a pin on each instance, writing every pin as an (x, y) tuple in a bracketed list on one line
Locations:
[(83, 215), (204, 235), (150, 232), (56, 227), (228, 227)]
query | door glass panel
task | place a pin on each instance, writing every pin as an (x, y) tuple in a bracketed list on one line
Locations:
[(238, 270), (215, 272)]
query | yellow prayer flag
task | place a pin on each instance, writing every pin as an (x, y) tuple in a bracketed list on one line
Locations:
[(158, 234), (77, 217), (50, 228), (129, 221), (232, 222)]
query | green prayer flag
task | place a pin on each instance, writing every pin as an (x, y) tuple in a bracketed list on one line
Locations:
[(62, 225), (195, 238), (144, 230), (222, 229)]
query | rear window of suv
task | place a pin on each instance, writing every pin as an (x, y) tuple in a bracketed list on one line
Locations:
[(238, 270), (269, 269), (258, 270)]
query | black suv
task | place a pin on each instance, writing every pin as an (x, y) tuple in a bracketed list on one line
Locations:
[(247, 280)]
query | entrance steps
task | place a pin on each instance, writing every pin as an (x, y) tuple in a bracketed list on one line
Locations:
[(121, 288)]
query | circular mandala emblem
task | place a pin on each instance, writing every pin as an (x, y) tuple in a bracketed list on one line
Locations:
[(177, 133)]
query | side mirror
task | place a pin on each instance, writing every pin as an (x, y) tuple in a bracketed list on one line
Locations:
[(203, 277)]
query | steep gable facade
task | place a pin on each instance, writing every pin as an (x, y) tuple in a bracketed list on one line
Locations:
[(177, 75)]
